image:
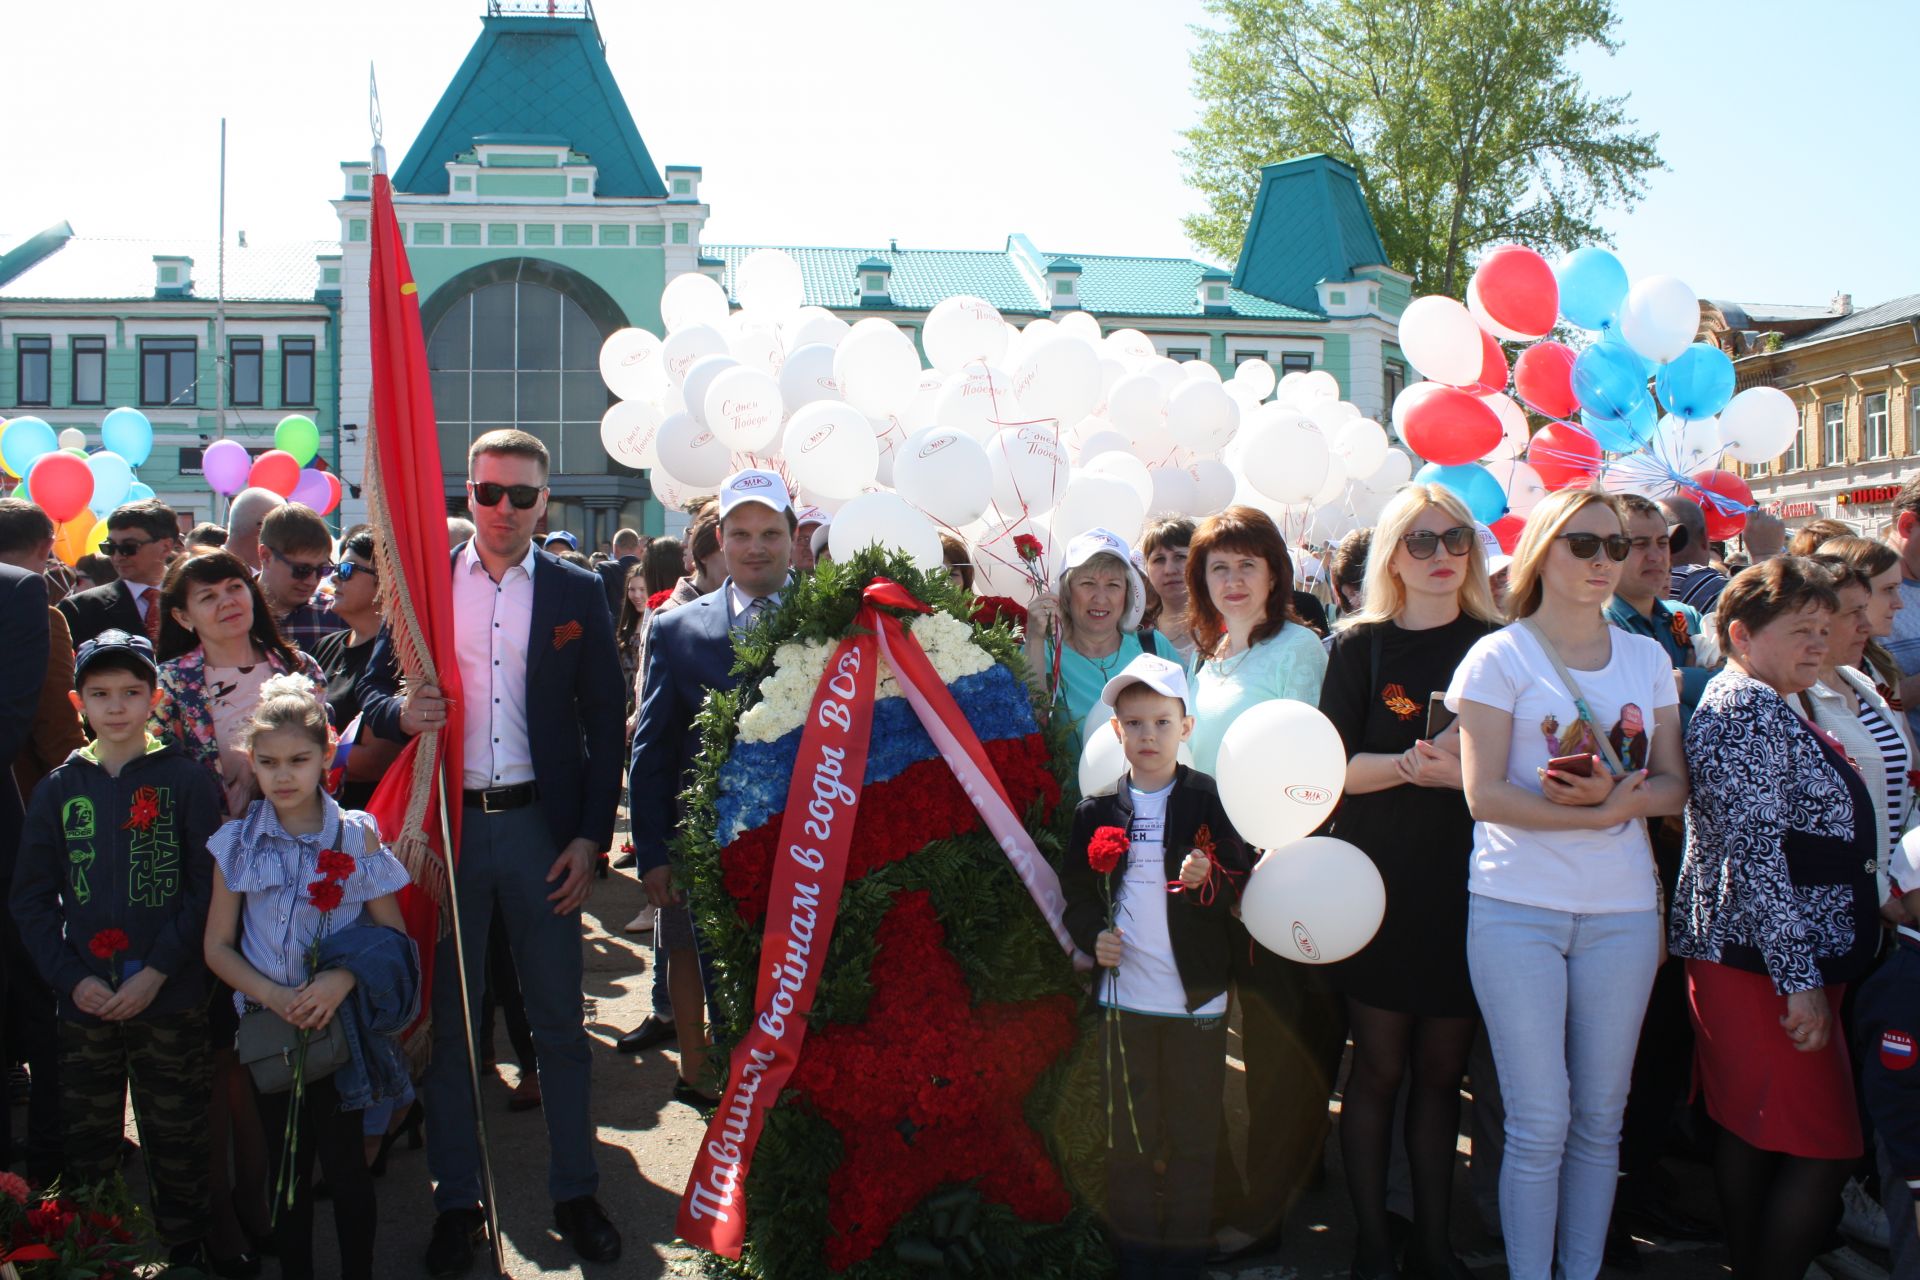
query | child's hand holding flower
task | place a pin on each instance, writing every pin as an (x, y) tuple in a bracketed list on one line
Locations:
[(1108, 948)]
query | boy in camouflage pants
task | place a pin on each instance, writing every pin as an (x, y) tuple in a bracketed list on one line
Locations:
[(110, 893)]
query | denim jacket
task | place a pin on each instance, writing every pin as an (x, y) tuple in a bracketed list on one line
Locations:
[(383, 1003)]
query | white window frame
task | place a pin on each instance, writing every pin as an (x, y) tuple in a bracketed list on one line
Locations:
[(1833, 433), (1876, 441)]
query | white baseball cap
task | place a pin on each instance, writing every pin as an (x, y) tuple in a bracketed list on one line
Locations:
[(810, 514), (1158, 674), (1497, 559), (1098, 542), (752, 485)]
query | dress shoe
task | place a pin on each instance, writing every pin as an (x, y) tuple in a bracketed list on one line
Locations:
[(1647, 1206), (455, 1232), (650, 1033), (587, 1229), (626, 861), (705, 1104), (526, 1095)]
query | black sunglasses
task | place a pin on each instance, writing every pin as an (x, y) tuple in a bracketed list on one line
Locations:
[(1422, 543), (126, 546), (522, 496), (301, 572), (348, 570), (1586, 546)]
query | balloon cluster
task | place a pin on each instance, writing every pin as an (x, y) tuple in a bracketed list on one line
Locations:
[(1042, 431), (1656, 410), (283, 469), (74, 487)]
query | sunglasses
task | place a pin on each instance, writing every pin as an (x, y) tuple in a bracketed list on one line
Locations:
[(1586, 546), (1421, 543), (522, 496), (126, 546), (348, 571), (301, 572)]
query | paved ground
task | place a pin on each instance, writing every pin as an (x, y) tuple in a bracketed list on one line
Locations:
[(647, 1142)]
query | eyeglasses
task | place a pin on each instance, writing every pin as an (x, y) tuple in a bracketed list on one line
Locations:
[(522, 496), (1586, 546), (1422, 543), (126, 546), (301, 572), (348, 570)]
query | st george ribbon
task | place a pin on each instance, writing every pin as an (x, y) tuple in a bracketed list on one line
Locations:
[(816, 831)]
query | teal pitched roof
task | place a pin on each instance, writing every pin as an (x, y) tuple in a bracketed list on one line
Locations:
[(920, 278), (544, 77), (87, 268), (1310, 223)]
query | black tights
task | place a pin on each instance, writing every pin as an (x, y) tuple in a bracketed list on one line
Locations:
[(1384, 1043), (1776, 1209)]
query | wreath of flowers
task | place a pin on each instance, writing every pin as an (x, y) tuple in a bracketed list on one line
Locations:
[(935, 1104)]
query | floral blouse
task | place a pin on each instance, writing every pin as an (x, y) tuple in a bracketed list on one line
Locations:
[(1781, 845), (275, 873), (184, 715)]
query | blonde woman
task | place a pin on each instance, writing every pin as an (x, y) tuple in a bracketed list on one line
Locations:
[(1570, 737), (1425, 602)]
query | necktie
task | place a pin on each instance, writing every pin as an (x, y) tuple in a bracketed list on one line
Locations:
[(150, 605)]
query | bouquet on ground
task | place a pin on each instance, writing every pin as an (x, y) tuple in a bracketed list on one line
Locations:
[(92, 1234)]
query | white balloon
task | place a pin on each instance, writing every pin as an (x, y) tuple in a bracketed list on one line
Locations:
[(743, 408), (630, 364), (813, 325), (922, 410), (1329, 415), (978, 400), (1030, 470), (1284, 456), (1257, 376), (1098, 502), (1175, 491), (807, 376), (997, 567), (1290, 390), (1440, 339), (1058, 378), (1758, 424), (690, 453), (1137, 405), (890, 436), (685, 348), (962, 329), (1315, 901), (877, 368), (1660, 317), (75, 438), (1395, 470), (700, 379), (830, 448), (1098, 442), (1078, 324), (1522, 485), (1362, 445), (884, 520), (756, 342), (1513, 427), (1316, 386), (945, 473), (769, 280), (691, 299), (1212, 486), (1103, 761), (1335, 485), (627, 432), (1201, 415), (1118, 464), (1366, 505), (1280, 771), (1129, 346), (1164, 371)]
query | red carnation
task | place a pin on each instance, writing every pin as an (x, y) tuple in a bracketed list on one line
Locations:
[(144, 811), (988, 610), (1029, 547), (324, 895), (659, 598), (1108, 846), (50, 1219), (14, 1187), (108, 943), (336, 864)]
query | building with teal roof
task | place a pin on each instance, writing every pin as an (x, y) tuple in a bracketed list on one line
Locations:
[(537, 222)]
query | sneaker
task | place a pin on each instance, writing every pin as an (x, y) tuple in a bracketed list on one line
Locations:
[(1863, 1220)]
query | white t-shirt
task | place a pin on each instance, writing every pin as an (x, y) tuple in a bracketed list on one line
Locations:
[(1576, 871), (1148, 979)]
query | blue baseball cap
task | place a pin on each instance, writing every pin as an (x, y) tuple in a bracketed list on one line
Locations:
[(114, 641), (561, 535)]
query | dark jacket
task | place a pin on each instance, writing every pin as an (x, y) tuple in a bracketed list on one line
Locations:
[(1886, 1018), (689, 654), (23, 639), (99, 609), (576, 720), (383, 1003), (127, 853), (613, 576), (1200, 932)]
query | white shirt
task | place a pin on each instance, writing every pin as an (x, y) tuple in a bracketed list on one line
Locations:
[(145, 598), (493, 625), (739, 602), (1148, 979), (1574, 871)]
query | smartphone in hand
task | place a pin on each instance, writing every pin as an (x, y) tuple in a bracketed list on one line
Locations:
[(1581, 765)]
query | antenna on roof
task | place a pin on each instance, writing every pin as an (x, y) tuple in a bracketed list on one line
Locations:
[(893, 244)]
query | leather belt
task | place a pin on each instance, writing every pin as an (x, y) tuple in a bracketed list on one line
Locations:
[(501, 799)]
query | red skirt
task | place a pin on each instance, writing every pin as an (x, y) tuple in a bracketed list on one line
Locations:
[(1759, 1087)]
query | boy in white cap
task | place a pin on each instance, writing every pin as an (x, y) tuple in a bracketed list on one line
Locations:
[(1150, 879)]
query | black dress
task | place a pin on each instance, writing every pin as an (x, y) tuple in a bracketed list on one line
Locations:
[(343, 662), (1421, 838)]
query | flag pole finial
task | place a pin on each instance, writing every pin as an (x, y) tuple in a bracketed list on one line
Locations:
[(374, 122)]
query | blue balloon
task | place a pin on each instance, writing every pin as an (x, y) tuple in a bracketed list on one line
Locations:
[(1473, 484), (1697, 383), (1623, 435), (1610, 381), (1593, 284), (23, 441), (138, 492), (112, 478), (128, 433)]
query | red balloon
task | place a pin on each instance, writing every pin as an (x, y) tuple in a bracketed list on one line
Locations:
[(1517, 290), (1543, 377), (1566, 456), (1449, 426), (276, 470), (1507, 530), (61, 484), (1726, 516), (333, 491), (1493, 363)]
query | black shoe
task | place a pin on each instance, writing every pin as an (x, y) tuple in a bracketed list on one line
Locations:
[(651, 1032), (586, 1228), (1643, 1209), (626, 862), (411, 1128), (455, 1232), (190, 1258), (1621, 1251), (705, 1104)]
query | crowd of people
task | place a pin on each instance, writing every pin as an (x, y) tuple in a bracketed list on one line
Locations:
[(1638, 809)]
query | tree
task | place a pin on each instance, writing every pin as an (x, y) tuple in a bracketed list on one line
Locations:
[(1462, 118)]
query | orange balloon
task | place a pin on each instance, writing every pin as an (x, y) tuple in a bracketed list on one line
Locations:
[(71, 539)]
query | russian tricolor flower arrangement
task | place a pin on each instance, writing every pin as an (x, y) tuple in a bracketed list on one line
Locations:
[(869, 842)]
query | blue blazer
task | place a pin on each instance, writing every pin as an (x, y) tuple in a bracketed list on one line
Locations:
[(575, 708), (689, 651)]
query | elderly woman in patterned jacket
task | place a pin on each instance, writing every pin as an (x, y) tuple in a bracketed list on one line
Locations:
[(1775, 912)]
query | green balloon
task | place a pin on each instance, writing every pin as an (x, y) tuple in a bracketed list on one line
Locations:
[(78, 453), (298, 436)]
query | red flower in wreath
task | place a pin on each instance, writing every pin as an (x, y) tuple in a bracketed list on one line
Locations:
[(14, 1187), (988, 610), (335, 864), (108, 943), (324, 895), (1029, 547), (1107, 847), (145, 810), (50, 1219)]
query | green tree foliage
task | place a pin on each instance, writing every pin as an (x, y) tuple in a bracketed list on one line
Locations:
[(1462, 117)]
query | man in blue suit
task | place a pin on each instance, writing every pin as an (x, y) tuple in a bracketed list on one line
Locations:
[(542, 735), (689, 653)]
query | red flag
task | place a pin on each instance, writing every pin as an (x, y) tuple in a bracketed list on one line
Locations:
[(407, 506)]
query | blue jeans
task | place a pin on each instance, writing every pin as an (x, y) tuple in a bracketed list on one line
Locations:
[(1562, 996), (504, 859)]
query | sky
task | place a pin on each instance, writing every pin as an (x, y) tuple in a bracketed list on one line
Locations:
[(941, 123)]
